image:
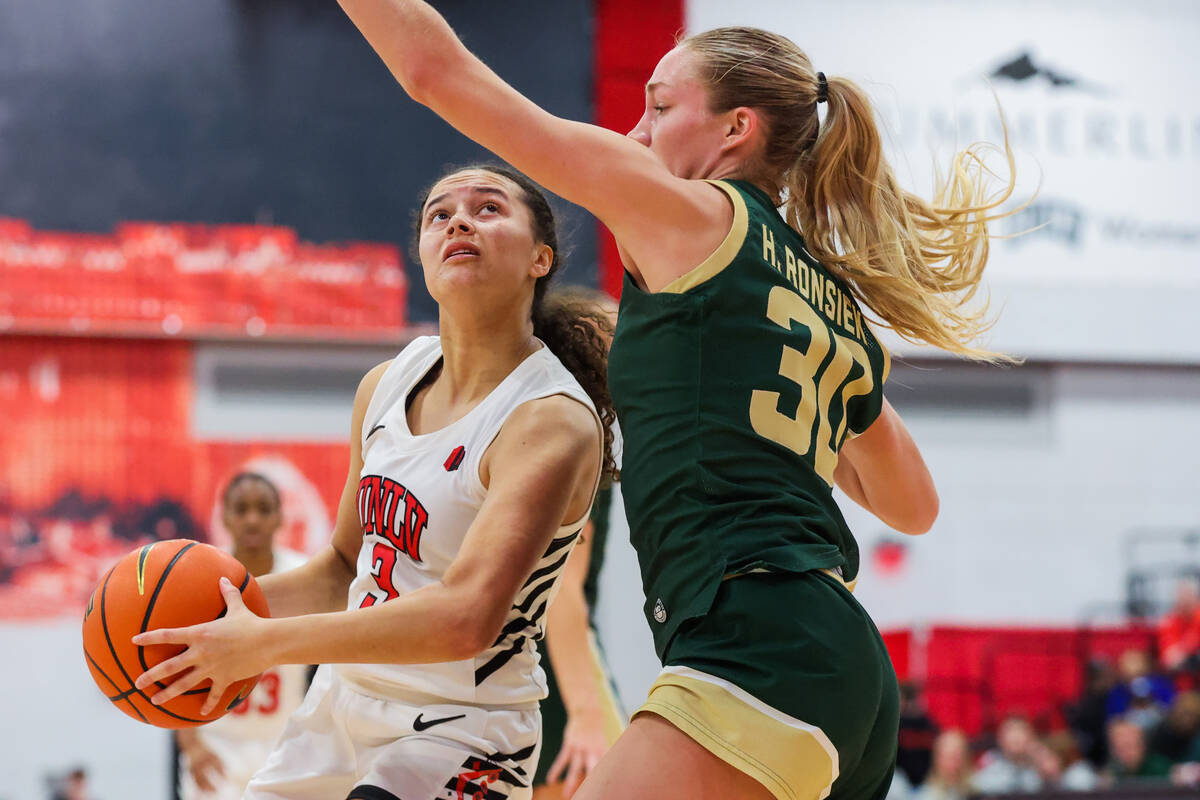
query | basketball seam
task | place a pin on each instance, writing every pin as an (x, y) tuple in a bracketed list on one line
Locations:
[(120, 695), (162, 579), (120, 666)]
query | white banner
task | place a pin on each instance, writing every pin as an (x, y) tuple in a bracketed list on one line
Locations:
[(1102, 102)]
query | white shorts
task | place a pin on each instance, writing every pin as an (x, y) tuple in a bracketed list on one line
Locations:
[(347, 743)]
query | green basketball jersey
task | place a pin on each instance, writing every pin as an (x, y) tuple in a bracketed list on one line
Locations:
[(736, 386)]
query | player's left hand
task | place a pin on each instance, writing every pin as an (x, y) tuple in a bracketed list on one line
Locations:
[(223, 651), (584, 742)]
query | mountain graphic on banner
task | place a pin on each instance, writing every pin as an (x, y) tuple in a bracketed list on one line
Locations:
[(1024, 68)]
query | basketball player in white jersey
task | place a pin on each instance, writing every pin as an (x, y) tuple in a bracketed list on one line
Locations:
[(475, 458), (218, 759)]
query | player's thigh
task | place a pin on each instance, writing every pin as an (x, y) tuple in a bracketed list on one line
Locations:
[(653, 759)]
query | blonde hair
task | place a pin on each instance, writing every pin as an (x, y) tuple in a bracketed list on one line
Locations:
[(914, 263)]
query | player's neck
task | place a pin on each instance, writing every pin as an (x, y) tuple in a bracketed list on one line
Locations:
[(478, 355), (258, 562)]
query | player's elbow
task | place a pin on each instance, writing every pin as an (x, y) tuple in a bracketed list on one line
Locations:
[(473, 631), (917, 515)]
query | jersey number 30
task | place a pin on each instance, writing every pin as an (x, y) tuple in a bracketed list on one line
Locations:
[(820, 391)]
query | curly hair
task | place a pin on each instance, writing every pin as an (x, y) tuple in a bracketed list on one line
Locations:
[(577, 330)]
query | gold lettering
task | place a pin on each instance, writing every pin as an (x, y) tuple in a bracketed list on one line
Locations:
[(847, 313), (830, 299), (818, 287), (802, 286), (790, 257), (769, 247)]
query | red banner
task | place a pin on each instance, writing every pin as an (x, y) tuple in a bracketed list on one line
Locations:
[(97, 458), (151, 279)]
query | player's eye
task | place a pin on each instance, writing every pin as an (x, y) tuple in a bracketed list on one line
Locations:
[(492, 207), (660, 109)]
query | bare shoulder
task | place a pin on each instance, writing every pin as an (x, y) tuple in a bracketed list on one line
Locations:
[(557, 420), (366, 387)]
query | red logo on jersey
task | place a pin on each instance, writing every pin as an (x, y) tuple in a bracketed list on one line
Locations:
[(456, 458), (386, 508)]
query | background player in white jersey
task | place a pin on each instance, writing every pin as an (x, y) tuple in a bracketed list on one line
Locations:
[(475, 457), (218, 759)]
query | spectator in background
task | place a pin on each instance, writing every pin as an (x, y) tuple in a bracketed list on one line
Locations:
[(1129, 759), (917, 735), (72, 786), (1088, 717), (1178, 736), (1010, 767), (1179, 630), (1061, 765), (949, 775), (1142, 695), (217, 760)]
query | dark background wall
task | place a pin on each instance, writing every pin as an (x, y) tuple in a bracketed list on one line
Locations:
[(268, 111)]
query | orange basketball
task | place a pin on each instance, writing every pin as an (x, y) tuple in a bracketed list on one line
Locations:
[(170, 584)]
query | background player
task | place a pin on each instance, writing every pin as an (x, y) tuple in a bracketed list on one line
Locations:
[(475, 458), (217, 760), (581, 716), (742, 365)]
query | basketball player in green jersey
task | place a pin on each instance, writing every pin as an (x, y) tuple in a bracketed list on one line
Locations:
[(747, 382)]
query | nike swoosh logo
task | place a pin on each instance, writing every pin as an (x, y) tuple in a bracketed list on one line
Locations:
[(376, 428), (424, 724)]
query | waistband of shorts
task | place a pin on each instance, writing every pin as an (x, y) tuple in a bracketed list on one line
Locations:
[(834, 572), (392, 693)]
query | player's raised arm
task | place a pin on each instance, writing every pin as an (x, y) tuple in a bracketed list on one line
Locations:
[(667, 224)]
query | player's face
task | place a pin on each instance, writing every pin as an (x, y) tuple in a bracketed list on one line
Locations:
[(477, 235), (677, 124), (252, 515)]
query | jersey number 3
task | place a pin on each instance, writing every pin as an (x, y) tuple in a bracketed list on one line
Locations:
[(820, 391), (383, 560)]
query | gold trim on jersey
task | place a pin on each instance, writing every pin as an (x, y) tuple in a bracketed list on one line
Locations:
[(723, 256), (791, 758)]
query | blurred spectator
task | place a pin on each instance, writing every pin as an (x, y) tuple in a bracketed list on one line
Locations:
[(1130, 760), (72, 786), (1010, 767), (1142, 696), (1178, 737), (1062, 767), (949, 775), (1089, 716), (917, 734), (1179, 630)]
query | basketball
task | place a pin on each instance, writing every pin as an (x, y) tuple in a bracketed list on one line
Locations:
[(168, 584)]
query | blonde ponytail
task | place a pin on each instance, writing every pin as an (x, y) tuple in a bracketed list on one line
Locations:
[(915, 264)]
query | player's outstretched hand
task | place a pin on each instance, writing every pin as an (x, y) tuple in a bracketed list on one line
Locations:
[(584, 742), (223, 651)]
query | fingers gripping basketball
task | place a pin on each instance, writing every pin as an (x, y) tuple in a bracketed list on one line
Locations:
[(163, 585)]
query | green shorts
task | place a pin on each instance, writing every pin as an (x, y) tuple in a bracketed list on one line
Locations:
[(787, 679)]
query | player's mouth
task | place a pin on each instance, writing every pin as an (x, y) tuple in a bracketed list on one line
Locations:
[(459, 251)]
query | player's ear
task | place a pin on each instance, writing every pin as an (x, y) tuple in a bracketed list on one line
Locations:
[(543, 260)]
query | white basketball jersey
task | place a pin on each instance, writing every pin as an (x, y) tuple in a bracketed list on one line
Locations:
[(418, 495)]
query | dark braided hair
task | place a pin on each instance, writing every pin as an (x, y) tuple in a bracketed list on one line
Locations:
[(576, 330), (243, 477)]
